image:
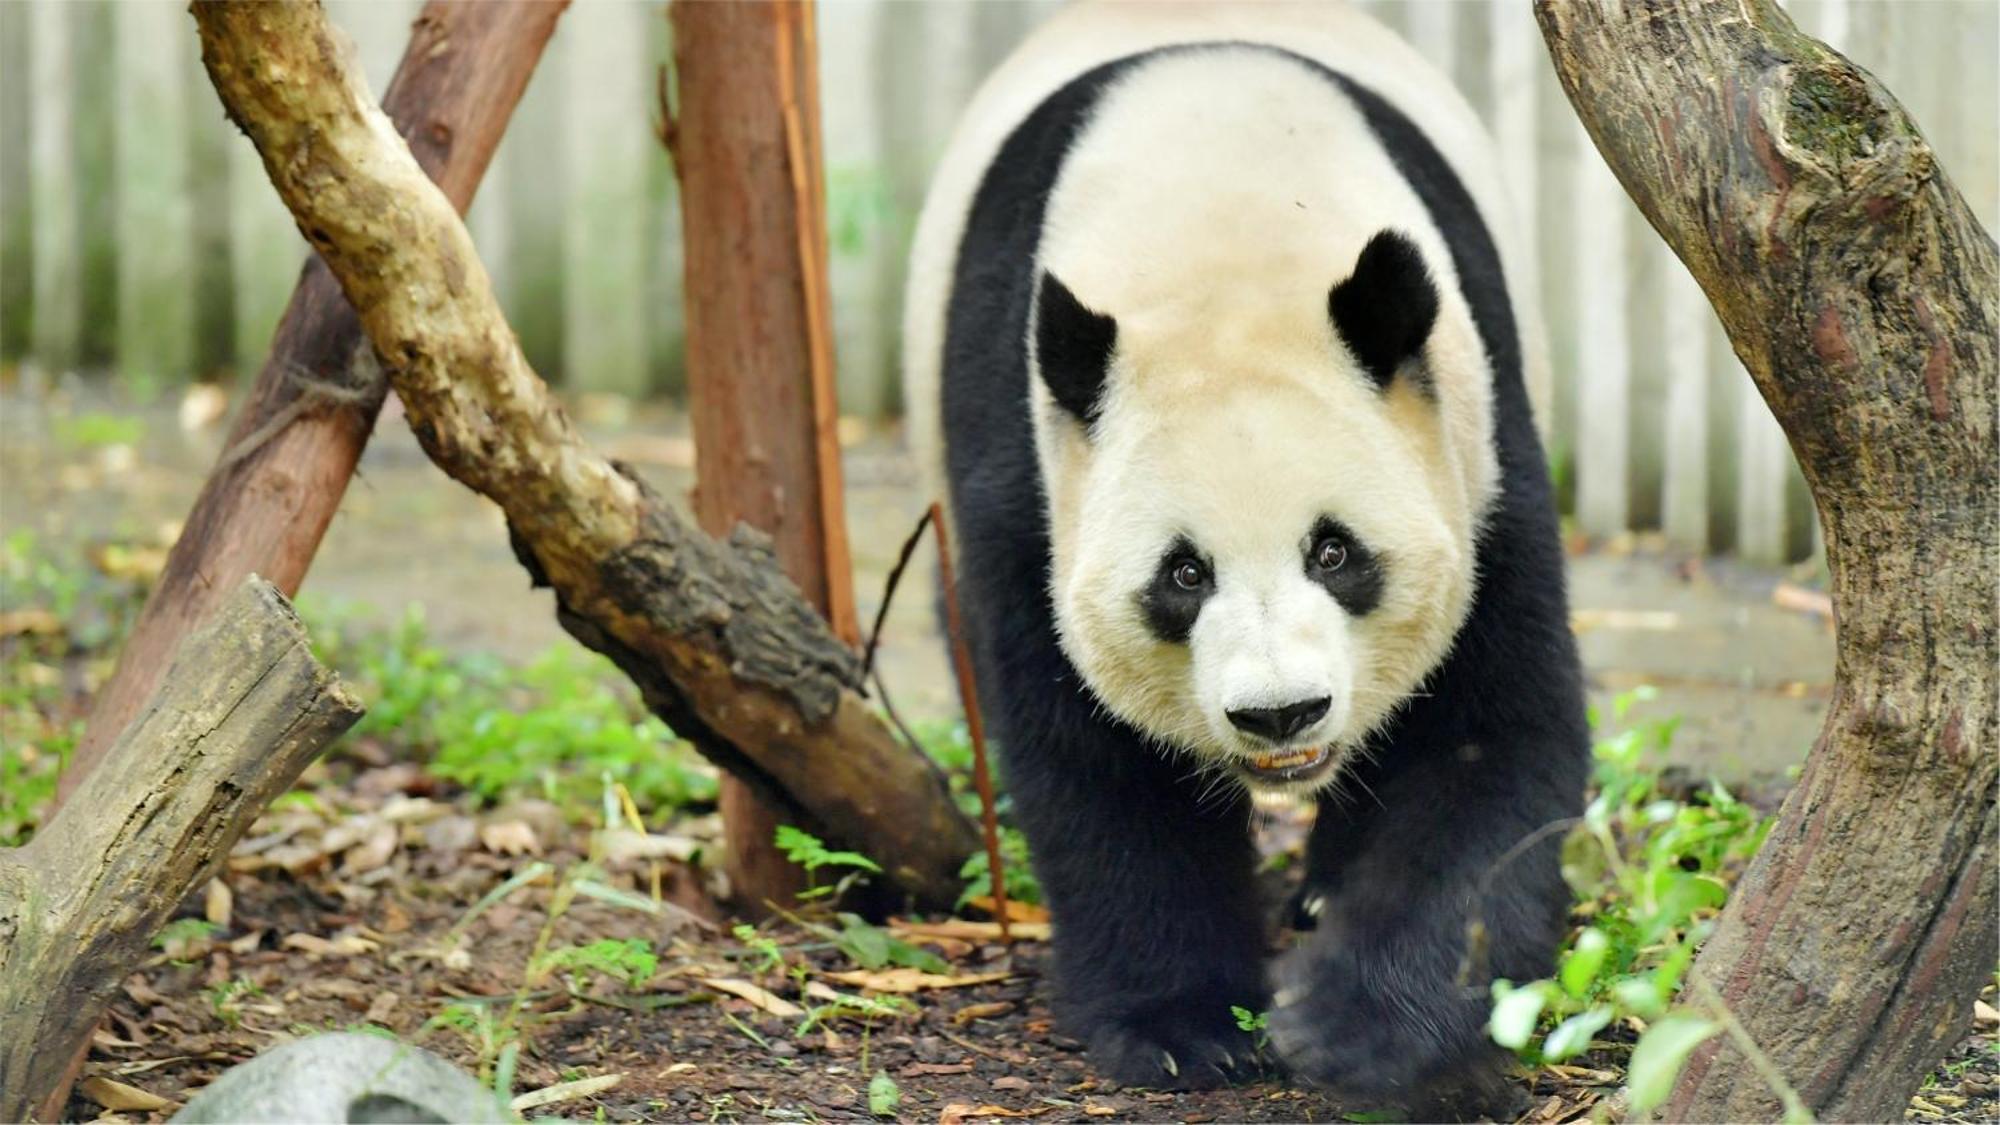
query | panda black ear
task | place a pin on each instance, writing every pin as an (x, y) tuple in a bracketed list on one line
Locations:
[(1073, 347), (1386, 309)]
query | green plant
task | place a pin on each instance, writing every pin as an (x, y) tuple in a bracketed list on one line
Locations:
[(1650, 870), (630, 962), (225, 999), (873, 947), (768, 955), (184, 938), (1022, 886), (884, 1096), (1257, 1024), (552, 728), (810, 852)]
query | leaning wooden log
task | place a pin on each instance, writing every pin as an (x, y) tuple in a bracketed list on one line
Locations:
[(295, 443), (241, 710), (718, 640), (1861, 294), (759, 345)]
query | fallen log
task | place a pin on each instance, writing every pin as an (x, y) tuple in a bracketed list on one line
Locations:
[(1860, 293), (242, 709), (293, 448), (719, 641)]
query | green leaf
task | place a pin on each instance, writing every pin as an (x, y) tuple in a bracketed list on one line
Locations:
[(1585, 960), (1572, 1036), (1642, 996), (883, 1095), (1659, 1055), (1515, 1011), (867, 945)]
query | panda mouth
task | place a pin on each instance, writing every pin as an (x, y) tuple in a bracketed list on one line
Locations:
[(1289, 767)]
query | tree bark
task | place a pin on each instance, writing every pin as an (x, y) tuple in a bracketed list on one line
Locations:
[(720, 643), (242, 710), (1860, 293), (264, 511), (759, 354)]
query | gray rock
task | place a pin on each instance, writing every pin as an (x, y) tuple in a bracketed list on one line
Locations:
[(343, 1076)]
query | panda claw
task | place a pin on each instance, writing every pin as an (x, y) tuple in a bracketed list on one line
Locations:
[(1167, 1062), (1314, 905)]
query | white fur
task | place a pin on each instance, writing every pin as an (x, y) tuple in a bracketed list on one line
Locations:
[(1212, 202)]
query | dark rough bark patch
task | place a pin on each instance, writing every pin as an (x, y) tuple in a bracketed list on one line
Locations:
[(1860, 294)]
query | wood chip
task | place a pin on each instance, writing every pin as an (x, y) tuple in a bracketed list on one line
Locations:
[(912, 980), (1984, 1015), (565, 1092), (972, 1012), (960, 1111), (119, 1098), (1801, 600), (760, 998), (966, 931)]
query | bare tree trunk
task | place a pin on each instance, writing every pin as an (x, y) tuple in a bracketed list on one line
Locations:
[(1860, 292), (719, 642), (265, 510), (759, 349), (242, 710)]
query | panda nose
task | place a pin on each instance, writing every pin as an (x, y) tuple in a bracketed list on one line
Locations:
[(1280, 723)]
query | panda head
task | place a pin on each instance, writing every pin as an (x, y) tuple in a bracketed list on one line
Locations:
[(1260, 537)]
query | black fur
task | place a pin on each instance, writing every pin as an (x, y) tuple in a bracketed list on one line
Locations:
[(1073, 349), (1160, 931), (1357, 582), (1386, 307), (1170, 609)]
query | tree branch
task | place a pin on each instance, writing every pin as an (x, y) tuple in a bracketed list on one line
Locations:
[(718, 640), (1860, 293), (242, 710)]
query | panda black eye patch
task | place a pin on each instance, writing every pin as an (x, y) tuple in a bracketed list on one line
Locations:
[(1344, 567), (1182, 583)]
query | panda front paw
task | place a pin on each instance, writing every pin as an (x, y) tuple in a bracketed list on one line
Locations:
[(1375, 1023), (1180, 1052)]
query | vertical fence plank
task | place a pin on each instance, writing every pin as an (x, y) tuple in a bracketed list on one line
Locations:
[(265, 250), (155, 228), (1433, 29), (51, 187), (94, 177), (535, 201), (608, 138), (1684, 318), (210, 138), (1648, 263), (1598, 283), (666, 305), (17, 216)]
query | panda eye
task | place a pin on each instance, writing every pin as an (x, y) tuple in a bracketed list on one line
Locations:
[(1329, 553), (1188, 574)]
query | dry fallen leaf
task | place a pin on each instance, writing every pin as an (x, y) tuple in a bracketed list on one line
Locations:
[(972, 1012), (912, 980), (1017, 911), (762, 999), (510, 837), (218, 902), (1801, 600), (1985, 1015), (120, 1098), (17, 622), (374, 851)]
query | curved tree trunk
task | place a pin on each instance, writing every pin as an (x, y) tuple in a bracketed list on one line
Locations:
[(719, 641), (1860, 293), (264, 510)]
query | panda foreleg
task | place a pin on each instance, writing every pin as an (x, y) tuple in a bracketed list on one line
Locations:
[(1421, 895), (1158, 931)]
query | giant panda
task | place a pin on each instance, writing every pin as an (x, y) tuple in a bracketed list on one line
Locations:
[(1216, 341)]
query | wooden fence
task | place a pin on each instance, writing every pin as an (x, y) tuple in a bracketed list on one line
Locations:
[(138, 235)]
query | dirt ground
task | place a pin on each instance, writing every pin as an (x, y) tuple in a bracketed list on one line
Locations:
[(353, 914)]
